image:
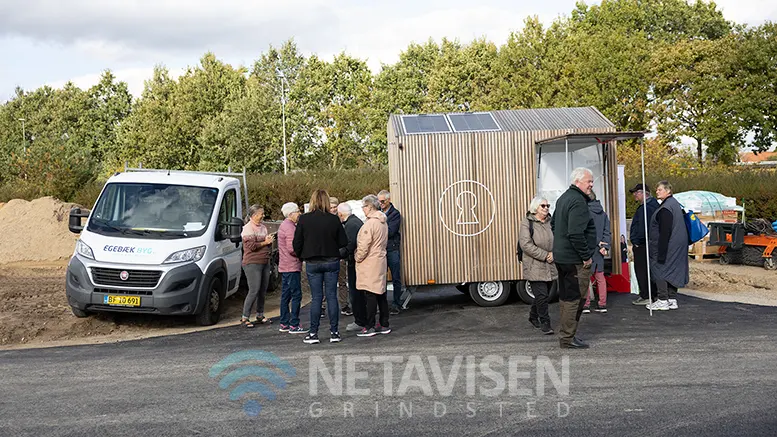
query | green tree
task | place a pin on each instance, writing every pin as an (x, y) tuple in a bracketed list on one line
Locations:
[(697, 96), (167, 121)]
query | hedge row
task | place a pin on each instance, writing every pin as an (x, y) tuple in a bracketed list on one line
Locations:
[(757, 187), (269, 190)]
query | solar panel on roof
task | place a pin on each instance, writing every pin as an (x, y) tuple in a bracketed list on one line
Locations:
[(470, 122), (425, 124)]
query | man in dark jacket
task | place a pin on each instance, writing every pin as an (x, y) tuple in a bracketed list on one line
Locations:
[(352, 225), (574, 243), (394, 220), (639, 242)]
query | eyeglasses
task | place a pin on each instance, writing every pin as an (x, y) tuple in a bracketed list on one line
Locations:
[(383, 201), (545, 205)]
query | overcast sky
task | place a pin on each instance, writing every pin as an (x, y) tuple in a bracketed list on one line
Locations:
[(53, 41)]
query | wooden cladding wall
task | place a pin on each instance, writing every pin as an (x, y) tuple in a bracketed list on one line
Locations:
[(462, 197)]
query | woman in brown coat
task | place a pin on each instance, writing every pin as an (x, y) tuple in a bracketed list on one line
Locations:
[(538, 268), (371, 266)]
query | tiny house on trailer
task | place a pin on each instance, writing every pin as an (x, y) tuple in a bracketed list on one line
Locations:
[(463, 182)]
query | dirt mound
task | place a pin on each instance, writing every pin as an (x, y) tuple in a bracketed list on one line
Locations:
[(713, 277), (35, 231)]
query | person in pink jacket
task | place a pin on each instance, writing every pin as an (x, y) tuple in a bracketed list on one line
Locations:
[(289, 267), (371, 266)]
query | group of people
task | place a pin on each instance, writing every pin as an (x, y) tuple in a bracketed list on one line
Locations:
[(570, 247), (321, 238)]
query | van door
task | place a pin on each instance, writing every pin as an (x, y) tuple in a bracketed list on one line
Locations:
[(231, 252)]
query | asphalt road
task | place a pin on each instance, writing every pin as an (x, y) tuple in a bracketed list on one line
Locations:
[(706, 369)]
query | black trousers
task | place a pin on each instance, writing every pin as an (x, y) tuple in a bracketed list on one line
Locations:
[(375, 303), (641, 270), (539, 308), (666, 290), (358, 301)]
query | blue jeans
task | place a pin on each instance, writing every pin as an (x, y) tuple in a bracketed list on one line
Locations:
[(322, 278), (291, 292), (393, 260)]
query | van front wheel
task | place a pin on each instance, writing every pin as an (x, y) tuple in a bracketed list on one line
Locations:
[(489, 294), (211, 314), (79, 312)]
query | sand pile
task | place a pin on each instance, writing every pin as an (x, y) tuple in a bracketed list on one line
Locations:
[(35, 231)]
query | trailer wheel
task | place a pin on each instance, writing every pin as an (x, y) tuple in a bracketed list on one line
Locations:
[(527, 296), (79, 312), (769, 264), (489, 294), (211, 314)]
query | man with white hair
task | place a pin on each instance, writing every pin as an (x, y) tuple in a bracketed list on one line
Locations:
[(352, 225), (394, 219), (574, 243)]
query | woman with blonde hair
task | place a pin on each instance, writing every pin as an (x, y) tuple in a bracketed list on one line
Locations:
[(536, 239), (320, 242), (371, 265)]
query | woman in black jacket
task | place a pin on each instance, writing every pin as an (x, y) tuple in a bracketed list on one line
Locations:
[(319, 241)]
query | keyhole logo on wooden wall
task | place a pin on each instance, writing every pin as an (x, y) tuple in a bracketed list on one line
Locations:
[(467, 208)]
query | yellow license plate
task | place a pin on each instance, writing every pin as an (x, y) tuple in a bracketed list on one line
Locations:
[(127, 301)]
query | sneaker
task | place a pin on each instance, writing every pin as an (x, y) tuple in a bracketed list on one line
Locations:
[(346, 311), (323, 312), (601, 309), (284, 328), (546, 329), (394, 311), (382, 330), (297, 330), (367, 332), (353, 327), (659, 305), (311, 339), (673, 304), (640, 301), (586, 309), (535, 322), (334, 337)]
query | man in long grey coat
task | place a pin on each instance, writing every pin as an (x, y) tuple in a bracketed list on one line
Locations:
[(668, 252)]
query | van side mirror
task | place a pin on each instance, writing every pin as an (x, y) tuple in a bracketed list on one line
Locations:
[(74, 221), (235, 230)]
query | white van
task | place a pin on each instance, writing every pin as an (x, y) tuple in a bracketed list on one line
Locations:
[(160, 242)]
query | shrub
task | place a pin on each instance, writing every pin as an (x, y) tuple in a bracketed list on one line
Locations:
[(757, 187), (273, 190)]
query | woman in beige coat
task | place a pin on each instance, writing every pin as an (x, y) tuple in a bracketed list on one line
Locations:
[(538, 268), (371, 266)]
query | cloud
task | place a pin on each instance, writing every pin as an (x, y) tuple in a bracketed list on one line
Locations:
[(229, 26)]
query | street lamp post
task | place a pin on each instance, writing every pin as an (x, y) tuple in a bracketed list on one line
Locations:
[(283, 116), (24, 137)]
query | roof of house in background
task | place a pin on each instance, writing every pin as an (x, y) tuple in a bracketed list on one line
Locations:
[(521, 120), (750, 157)]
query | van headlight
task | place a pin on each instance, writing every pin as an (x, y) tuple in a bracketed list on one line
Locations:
[(84, 250), (188, 255)]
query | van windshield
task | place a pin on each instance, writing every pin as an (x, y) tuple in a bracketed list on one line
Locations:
[(158, 211)]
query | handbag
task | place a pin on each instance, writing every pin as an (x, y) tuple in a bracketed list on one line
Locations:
[(519, 250), (696, 229), (633, 279)]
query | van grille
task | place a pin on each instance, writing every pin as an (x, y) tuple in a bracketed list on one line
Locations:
[(135, 278)]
